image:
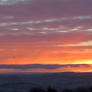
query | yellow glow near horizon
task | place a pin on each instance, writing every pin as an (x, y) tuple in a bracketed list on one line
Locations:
[(83, 62)]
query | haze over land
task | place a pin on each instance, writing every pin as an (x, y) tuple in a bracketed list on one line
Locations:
[(61, 81)]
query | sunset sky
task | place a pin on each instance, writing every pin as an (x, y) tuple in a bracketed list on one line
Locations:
[(45, 36)]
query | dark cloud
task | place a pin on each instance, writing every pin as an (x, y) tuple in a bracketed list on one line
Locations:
[(49, 8), (42, 66)]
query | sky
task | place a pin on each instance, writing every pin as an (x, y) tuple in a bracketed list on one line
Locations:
[(45, 33)]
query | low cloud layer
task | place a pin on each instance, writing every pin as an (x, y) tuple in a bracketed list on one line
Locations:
[(42, 66)]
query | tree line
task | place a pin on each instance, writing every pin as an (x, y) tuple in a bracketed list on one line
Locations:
[(53, 89)]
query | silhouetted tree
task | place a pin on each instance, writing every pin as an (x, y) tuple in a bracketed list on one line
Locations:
[(55, 90), (67, 90), (90, 89), (51, 89), (82, 89), (37, 90)]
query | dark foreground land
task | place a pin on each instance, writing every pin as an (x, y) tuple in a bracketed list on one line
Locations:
[(66, 82)]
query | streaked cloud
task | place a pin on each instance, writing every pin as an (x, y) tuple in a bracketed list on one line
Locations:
[(89, 43), (81, 18), (10, 2)]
